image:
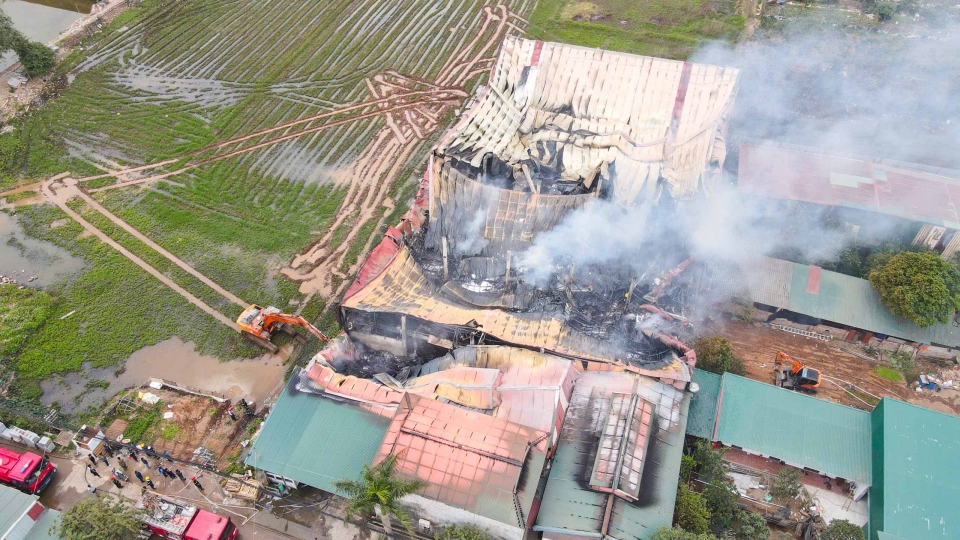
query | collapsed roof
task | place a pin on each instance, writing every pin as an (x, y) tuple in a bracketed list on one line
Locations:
[(589, 115)]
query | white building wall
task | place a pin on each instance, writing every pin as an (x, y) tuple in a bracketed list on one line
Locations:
[(440, 514)]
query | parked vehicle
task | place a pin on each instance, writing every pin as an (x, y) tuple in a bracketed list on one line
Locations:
[(170, 518), (28, 472)]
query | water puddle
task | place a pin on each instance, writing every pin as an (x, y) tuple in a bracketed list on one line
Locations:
[(172, 360), (42, 20), (23, 256)]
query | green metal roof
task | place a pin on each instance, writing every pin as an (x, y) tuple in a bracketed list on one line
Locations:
[(569, 506), (801, 430), (13, 504), (41, 530), (315, 440), (703, 405), (854, 302), (917, 493), (836, 297)]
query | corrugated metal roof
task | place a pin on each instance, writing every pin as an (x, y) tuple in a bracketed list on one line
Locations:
[(898, 189), (832, 296), (854, 302), (41, 530), (469, 460), (801, 430), (589, 108), (569, 505), (918, 493), (703, 405), (13, 504), (315, 440)]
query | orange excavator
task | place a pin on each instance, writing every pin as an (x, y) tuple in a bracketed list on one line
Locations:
[(792, 374), (258, 324)]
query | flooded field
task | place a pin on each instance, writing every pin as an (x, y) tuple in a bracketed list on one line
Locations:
[(23, 256), (172, 360), (42, 20)]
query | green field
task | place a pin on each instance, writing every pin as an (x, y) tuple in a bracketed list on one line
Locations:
[(664, 28), (167, 78)]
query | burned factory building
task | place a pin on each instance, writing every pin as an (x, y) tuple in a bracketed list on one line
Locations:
[(559, 132), (489, 346)]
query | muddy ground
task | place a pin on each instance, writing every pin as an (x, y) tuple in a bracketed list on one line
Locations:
[(197, 422), (758, 344)]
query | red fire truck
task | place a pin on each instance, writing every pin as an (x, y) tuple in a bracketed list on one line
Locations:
[(170, 518), (27, 472)]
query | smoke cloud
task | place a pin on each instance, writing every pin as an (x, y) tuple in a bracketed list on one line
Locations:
[(862, 93)]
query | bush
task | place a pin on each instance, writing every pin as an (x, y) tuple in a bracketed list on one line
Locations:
[(715, 354), (461, 532), (691, 512), (710, 462), (885, 11), (723, 502), (841, 529), (37, 59), (98, 517), (687, 465), (676, 533), (921, 287), (751, 526), (786, 484)]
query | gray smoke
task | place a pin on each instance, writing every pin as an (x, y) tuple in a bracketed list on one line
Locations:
[(867, 94)]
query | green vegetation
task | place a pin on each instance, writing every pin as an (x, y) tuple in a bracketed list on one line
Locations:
[(722, 502), (888, 374), (715, 354), (751, 526), (921, 287), (141, 422), (103, 518), (859, 260), (461, 532), (691, 513), (19, 196), (841, 529), (378, 491), (170, 431), (664, 28), (904, 363), (676, 533), (786, 484), (22, 312), (36, 58)]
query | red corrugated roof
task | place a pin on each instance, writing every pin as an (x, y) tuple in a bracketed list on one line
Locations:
[(776, 172), (813, 280)]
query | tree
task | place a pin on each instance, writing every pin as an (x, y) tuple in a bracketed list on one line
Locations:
[(715, 354), (676, 533), (723, 502), (710, 462), (691, 512), (462, 532), (921, 287), (37, 59), (786, 484), (98, 517), (841, 529), (687, 465), (885, 10), (378, 492), (752, 526)]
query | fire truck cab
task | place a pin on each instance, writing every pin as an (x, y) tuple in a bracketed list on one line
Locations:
[(27, 472)]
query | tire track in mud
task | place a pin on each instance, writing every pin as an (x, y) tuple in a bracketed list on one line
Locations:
[(375, 171)]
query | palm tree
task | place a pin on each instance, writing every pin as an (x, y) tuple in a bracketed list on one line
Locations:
[(378, 491)]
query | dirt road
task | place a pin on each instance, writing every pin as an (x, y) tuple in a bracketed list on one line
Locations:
[(758, 346)]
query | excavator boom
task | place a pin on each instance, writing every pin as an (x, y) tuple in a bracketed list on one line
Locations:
[(791, 373), (259, 324)]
